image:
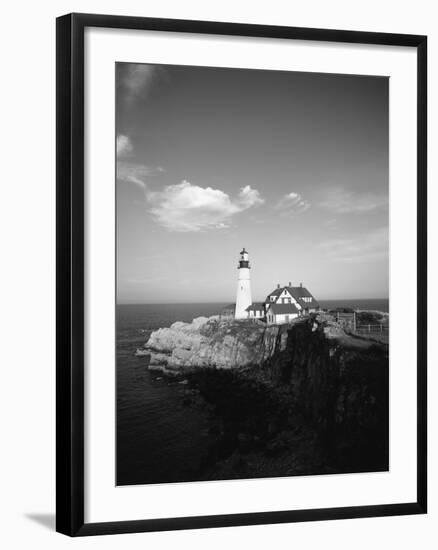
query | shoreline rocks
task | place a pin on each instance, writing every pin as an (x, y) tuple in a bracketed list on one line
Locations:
[(212, 342)]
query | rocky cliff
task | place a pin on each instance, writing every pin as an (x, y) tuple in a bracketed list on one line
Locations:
[(229, 344), (212, 342), (310, 373), (339, 383)]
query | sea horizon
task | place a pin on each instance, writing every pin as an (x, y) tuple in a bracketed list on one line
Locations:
[(322, 300)]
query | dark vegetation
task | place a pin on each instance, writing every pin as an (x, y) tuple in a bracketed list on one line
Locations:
[(370, 318), (254, 430)]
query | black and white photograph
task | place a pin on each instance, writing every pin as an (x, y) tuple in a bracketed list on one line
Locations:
[(252, 274), (218, 275)]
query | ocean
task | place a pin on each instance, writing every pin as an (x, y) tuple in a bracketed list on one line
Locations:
[(159, 439)]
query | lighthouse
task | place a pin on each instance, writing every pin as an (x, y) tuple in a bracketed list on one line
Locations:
[(243, 297)]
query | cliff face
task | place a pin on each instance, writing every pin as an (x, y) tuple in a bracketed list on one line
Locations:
[(334, 381), (229, 344), (211, 342), (341, 384)]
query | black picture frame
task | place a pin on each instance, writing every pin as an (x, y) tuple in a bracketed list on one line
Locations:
[(70, 273)]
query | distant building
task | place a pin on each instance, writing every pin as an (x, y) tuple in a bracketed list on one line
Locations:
[(228, 311), (282, 305)]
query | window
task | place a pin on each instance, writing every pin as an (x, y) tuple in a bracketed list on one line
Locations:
[(287, 318)]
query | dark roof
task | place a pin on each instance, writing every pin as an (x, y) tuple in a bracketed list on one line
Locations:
[(229, 306), (283, 309), (256, 306), (298, 292), (276, 292)]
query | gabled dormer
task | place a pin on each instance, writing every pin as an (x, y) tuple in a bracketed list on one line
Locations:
[(282, 295)]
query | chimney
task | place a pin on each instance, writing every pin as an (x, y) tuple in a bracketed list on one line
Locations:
[(290, 284), (301, 285), (278, 285)]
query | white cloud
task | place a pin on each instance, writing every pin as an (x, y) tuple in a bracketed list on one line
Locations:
[(341, 201), (367, 247), (185, 207), (249, 197), (124, 146), (136, 80), (292, 203), (131, 172)]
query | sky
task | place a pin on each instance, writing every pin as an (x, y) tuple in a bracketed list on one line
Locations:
[(292, 166)]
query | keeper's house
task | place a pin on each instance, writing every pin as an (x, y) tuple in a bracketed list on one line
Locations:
[(282, 305), (256, 310), (286, 303)]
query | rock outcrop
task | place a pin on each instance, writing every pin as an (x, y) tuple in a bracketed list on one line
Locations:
[(212, 343), (334, 381)]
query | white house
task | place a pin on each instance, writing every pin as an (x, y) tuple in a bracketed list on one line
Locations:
[(286, 303)]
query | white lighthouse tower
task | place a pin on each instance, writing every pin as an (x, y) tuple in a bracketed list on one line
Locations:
[(243, 297)]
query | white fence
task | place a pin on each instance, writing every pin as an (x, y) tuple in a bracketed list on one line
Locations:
[(372, 329)]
